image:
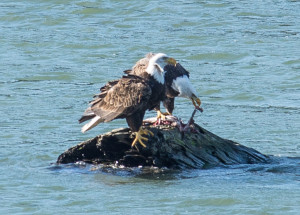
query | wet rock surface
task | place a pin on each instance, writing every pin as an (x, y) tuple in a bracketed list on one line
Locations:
[(167, 148)]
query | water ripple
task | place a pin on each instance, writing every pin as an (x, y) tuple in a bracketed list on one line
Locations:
[(243, 58)]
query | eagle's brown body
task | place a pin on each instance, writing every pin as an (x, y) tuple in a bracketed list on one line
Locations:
[(128, 97)]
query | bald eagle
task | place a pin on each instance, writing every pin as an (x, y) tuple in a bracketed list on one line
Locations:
[(177, 83), (129, 98)]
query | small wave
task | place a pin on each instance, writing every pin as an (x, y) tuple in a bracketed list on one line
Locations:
[(279, 165)]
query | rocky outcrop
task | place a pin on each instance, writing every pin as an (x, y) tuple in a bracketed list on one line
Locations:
[(197, 148)]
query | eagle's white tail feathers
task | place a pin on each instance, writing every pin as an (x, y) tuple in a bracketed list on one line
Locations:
[(91, 124)]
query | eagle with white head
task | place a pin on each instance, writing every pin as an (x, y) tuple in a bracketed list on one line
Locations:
[(177, 83), (129, 97)]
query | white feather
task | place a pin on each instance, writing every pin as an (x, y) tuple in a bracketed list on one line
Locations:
[(154, 62), (91, 124), (183, 85)]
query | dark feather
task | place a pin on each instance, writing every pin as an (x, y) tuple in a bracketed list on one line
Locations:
[(169, 104), (122, 98), (171, 73), (128, 97)]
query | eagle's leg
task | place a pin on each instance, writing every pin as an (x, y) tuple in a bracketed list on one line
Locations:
[(139, 138), (162, 116)]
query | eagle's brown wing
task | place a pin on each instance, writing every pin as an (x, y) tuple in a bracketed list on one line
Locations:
[(121, 98), (88, 113)]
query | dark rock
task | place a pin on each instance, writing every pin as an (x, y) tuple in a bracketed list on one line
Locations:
[(198, 149)]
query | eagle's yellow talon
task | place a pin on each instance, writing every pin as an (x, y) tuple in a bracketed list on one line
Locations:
[(147, 132), (141, 142), (143, 138), (139, 138), (162, 116)]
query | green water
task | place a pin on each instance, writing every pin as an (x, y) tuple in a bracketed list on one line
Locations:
[(243, 58)]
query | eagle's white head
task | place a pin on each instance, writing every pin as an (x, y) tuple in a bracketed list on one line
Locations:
[(156, 66)]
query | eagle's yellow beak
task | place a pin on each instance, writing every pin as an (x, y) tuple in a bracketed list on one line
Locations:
[(171, 61), (196, 101)]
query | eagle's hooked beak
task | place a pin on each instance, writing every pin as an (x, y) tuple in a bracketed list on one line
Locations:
[(196, 101), (171, 61)]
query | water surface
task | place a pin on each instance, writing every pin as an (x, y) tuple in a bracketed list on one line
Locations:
[(244, 61)]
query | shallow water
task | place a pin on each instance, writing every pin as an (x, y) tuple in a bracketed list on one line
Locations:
[(243, 58)]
